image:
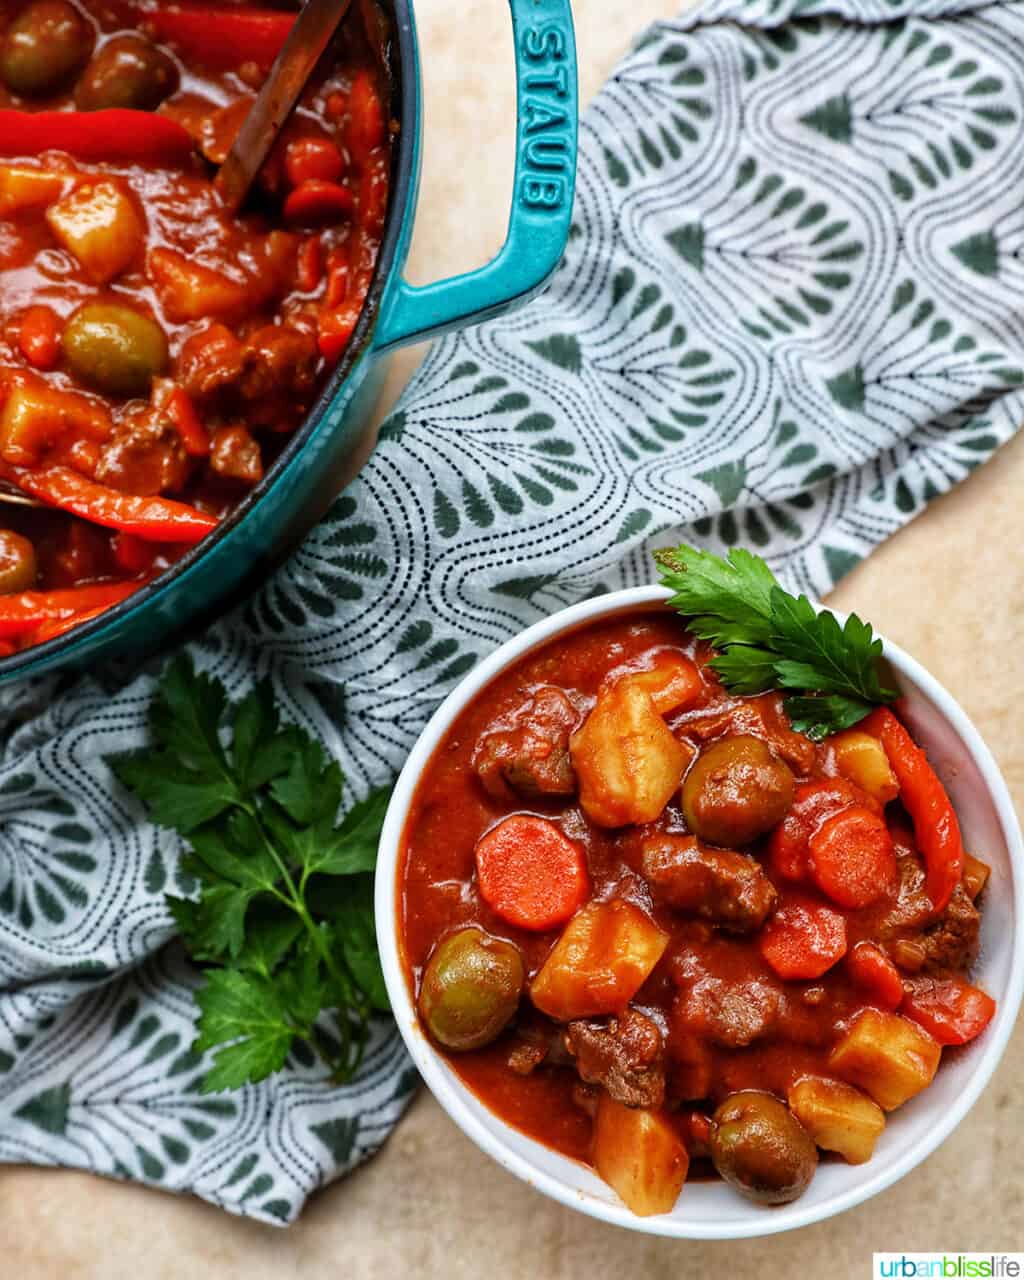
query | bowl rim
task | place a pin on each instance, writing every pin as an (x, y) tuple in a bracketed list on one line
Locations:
[(451, 1095)]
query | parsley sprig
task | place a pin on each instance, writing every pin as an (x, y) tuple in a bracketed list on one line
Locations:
[(769, 639), (283, 920)]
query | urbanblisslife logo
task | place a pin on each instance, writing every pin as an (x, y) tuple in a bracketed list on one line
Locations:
[(948, 1266)]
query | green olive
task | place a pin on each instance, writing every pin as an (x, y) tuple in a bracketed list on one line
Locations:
[(17, 563), (736, 790), (115, 349), (470, 989), (759, 1147), (128, 72), (44, 47)]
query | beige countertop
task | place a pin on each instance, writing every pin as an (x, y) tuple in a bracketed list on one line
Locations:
[(950, 589)]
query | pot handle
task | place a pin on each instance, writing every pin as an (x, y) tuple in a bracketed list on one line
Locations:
[(547, 101)]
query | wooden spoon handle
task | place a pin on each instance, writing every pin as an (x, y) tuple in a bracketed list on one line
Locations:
[(309, 37)]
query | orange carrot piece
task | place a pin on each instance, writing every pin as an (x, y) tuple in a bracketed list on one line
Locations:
[(39, 334), (804, 938), (531, 874), (872, 970), (852, 858), (316, 203), (813, 804), (318, 158)]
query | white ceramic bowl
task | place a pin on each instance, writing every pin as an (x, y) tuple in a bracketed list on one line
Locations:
[(709, 1209)]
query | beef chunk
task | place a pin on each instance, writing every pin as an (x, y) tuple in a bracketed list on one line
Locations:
[(538, 1041), (952, 944), (729, 1013), (143, 455), (916, 940), (762, 717), (278, 359), (625, 1055), (912, 909), (235, 454), (524, 1058), (210, 360), (271, 374), (727, 888), (528, 754)]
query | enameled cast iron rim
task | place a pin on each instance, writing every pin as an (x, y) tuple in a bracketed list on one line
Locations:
[(452, 1096), (405, 72)]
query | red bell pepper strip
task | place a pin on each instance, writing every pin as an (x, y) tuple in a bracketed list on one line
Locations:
[(953, 1012), (56, 627), (152, 519), (29, 611), (924, 798), (221, 37), (115, 135)]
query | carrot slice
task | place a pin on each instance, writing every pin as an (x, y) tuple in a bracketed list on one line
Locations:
[(318, 158), (39, 337), (852, 858), (872, 970), (804, 938), (813, 804), (316, 203), (530, 873), (951, 1011)]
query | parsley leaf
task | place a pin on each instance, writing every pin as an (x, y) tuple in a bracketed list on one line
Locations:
[(283, 920), (769, 639), (245, 1018), (726, 601)]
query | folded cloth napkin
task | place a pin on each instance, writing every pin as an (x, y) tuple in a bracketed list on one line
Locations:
[(788, 316)]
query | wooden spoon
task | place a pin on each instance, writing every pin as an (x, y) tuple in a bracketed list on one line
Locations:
[(309, 37)]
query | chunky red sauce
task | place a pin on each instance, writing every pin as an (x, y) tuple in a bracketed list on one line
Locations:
[(716, 1016), (154, 346)]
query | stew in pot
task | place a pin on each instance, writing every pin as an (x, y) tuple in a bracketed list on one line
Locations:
[(156, 352), (653, 927)]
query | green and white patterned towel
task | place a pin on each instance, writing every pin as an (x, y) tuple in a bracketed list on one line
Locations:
[(789, 316)]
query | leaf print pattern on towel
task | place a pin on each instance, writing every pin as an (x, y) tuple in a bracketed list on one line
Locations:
[(771, 251), (788, 316)]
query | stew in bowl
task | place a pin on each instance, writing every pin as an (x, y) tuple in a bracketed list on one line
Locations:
[(646, 928)]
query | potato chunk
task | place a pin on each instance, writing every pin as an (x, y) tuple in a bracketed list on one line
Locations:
[(838, 1117), (890, 1057), (191, 291), (640, 1156), (100, 226), (604, 956), (673, 681), (627, 761), (23, 187), (36, 416), (861, 759)]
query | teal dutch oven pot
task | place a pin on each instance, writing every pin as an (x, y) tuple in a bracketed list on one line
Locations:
[(237, 557)]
